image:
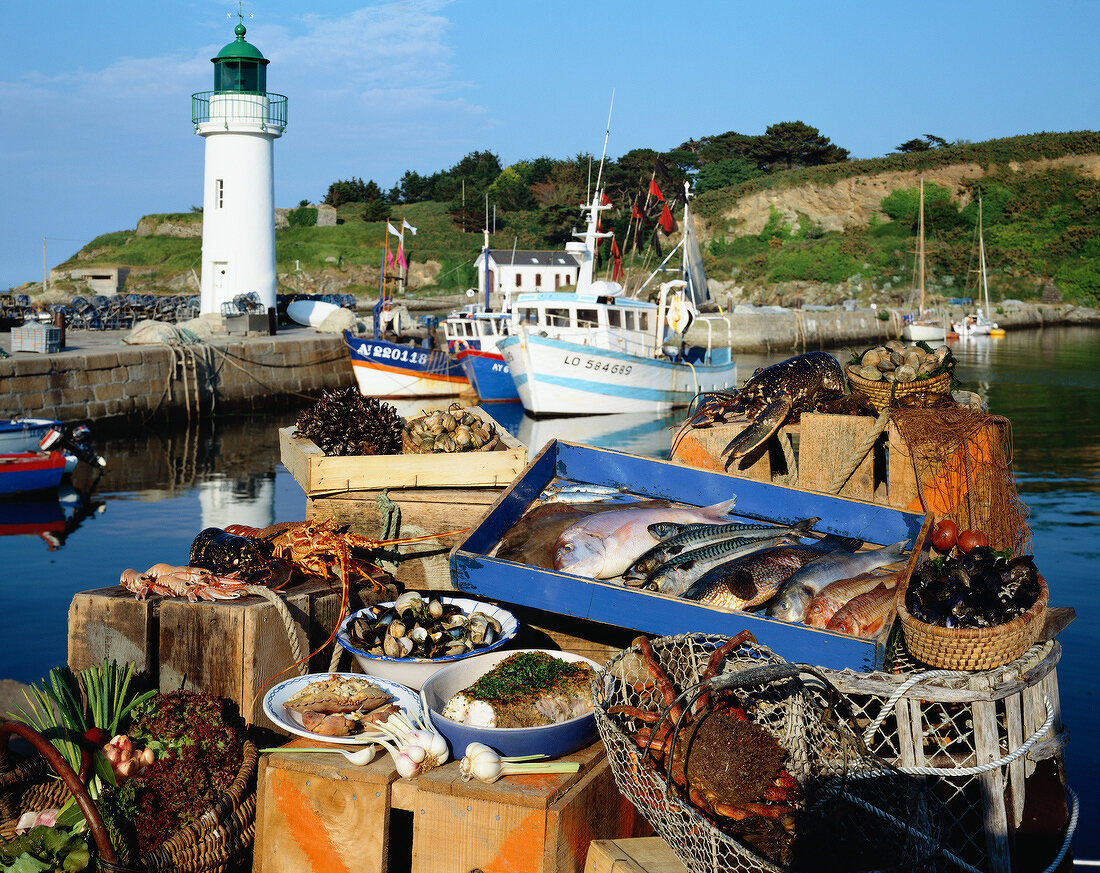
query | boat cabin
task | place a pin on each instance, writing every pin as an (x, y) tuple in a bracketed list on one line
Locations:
[(473, 328), (618, 323)]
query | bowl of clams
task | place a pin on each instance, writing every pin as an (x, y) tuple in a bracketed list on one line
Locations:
[(408, 639)]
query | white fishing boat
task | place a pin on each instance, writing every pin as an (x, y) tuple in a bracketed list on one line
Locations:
[(597, 351), (922, 325), (977, 323)]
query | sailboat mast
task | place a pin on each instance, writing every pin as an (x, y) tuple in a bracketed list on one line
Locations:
[(981, 259), (920, 244)]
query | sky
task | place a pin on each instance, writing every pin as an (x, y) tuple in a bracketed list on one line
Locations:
[(95, 121)]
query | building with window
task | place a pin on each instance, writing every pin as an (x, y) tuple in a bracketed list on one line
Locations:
[(513, 272)]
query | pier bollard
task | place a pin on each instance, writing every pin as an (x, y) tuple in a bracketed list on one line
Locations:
[(59, 323), (272, 321)]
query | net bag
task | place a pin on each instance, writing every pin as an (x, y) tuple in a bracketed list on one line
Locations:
[(742, 761)]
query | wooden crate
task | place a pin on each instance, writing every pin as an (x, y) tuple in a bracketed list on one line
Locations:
[(635, 855), (319, 473), (232, 648), (319, 813)]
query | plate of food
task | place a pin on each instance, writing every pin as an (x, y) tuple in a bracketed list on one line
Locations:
[(338, 707)]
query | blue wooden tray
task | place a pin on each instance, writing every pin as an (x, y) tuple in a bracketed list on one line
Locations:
[(474, 571)]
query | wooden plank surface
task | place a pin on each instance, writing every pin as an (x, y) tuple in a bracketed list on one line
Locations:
[(826, 446), (111, 623), (633, 855), (705, 447)]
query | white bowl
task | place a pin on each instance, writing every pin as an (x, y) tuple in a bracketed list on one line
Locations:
[(553, 740), (413, 672)]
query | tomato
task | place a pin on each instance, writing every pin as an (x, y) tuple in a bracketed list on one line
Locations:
[(971, 539), (944, 534)]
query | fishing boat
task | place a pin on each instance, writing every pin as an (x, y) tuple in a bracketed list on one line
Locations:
[(383, 366), (24, 434), (597, 351), (922, 325), (25, 472), (978, 323)]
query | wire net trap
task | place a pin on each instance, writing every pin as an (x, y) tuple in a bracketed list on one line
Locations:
[(741, 761)]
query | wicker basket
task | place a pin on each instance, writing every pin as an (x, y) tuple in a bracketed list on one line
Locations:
[(979, 648), (217, 842), (922, 392)]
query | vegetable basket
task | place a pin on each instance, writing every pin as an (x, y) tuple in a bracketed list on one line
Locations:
[(850, 811), (921, 392), (973, 648), (217, 842)]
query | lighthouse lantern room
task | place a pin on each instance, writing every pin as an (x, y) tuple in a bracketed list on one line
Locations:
[(239, 121)]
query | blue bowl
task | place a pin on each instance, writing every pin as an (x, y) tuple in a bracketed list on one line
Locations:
[(553, 740)]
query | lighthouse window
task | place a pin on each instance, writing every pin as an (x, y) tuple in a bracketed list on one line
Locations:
[(219, 193)]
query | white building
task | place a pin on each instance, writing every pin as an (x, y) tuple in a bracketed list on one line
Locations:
[(239, 121), (513, 272)]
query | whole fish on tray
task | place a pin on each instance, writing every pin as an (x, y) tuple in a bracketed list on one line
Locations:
[(865, 615), (676, 539), (825, 605), (604, 545), (794, 598), (753, 580), (679, 573)]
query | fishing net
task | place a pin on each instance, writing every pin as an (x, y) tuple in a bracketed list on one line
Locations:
[(962, 461), (852, 811)]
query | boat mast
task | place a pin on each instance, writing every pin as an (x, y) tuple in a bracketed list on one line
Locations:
[(920, 243), (981, 259)]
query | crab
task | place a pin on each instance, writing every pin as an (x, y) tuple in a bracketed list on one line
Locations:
[(771, 397), (727, 767)]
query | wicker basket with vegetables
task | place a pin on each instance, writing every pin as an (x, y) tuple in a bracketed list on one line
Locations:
[(149, 782)]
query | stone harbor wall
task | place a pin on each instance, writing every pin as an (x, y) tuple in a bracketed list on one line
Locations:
[(171, 381)]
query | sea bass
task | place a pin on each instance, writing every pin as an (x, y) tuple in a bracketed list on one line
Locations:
[(825, 605), (678, 574), (864, 616), (685, 538), (750, 581), (604, 545), (794, 598)]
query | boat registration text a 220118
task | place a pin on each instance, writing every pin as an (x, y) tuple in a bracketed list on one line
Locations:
[(406, 356), (595, 364)]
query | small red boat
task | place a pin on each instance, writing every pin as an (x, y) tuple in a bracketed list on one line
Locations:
[(21, 472)]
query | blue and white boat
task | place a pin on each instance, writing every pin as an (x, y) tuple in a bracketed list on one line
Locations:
[(597, 351), (388, 369)]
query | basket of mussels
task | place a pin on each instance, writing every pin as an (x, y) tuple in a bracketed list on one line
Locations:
[(971, 608), (454, 430), (897, 374)]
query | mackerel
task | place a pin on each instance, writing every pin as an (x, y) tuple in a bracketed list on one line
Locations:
[(688, 537), (677, 574)]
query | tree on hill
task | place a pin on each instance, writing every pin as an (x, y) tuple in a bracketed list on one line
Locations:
[(722, 174), (795, 144), (351, 190), (720, 147), (509, 190), (930, 141)]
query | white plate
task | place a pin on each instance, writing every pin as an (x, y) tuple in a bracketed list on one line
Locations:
[(405, 698)]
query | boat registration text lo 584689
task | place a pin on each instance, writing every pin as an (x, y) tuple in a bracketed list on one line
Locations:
[(592, 364)]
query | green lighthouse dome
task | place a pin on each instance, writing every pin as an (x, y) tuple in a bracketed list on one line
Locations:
[(240, 66)]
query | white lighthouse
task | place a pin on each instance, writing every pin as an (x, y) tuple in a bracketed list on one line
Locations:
[(240, 121)]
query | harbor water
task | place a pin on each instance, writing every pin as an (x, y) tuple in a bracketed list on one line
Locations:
[(163, 487)]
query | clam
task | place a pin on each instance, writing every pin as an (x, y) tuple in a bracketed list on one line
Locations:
[(449, 422), (397, 628), (419, 635), (871, 374), (463, 437), (898, 357), (435, 608), (905, 373), (397, 647), (482, 629), (871, 358)]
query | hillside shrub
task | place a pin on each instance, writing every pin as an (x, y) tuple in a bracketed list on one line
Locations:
[(303, 216)]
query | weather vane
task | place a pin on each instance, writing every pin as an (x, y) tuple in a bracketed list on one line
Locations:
[(240, 13)]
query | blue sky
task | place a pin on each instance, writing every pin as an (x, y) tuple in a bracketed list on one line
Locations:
[(95, 98)]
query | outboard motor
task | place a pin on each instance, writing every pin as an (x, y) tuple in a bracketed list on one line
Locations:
[(75, 440)]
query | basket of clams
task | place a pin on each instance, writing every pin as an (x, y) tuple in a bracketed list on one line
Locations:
[(900, 374), (455, 430)]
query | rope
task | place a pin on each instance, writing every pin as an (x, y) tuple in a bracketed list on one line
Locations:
[(892, 700), (288, 622), (860, 452)]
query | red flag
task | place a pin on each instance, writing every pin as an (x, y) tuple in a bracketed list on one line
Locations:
[(604, 199), (666, 220), (654, 190), (617, 269), (635, 212)]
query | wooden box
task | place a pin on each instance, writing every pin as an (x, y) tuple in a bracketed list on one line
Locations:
[(319, 473), (474, 570), (232, 648), (319, 813), (634, 855)]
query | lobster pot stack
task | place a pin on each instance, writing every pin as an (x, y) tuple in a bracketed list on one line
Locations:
[(958, 724), (854, 811)]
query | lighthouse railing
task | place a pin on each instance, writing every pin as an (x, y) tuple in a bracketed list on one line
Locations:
[(259, 108)]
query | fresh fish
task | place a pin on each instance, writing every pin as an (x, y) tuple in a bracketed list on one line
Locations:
[(584, 492), (750, 581), (792, 603), (604, 545), (696, 536), (678, 574), (865, 615), (825, 605)]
